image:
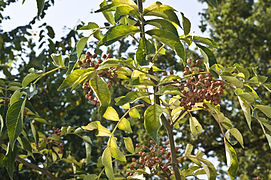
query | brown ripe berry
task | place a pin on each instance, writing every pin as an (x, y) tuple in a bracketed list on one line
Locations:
[(193, 64), (115, 75), (197, 61), (189, 61), (109, 55), (167, 142), (137, 145), (92, 64), (201, 76), (80, 63), (94, 55), (186, 69), (134, 159), (104, 56), (88, 54), (171, 72), (185, 72), (164, 73), (100, 61)]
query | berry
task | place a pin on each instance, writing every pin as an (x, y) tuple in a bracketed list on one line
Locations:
[(189, 61)]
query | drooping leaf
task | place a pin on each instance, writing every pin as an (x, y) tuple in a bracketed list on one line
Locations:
[(58, 60), (268, 137), (265, 109), (161, 10), (140, 56), (232, 161), (51, 32), (114, 149), (195, 126), (88, 148), (116, 33), (107, 162), (207, 54), (237, 135), (129, 144), (233, 80), (14, 121), (1, 124), (71, 78), (81, 45), (101, 90), (246, 109), (209, 168), (90, 127), (40, 6), (34, 133), (124, 125), (102, 131), (107, 14), (152, 120), (111, 114), (186, 24), (188, 149)]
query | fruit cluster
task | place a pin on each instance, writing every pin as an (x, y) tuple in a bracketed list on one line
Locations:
[(198, 86), (56, 131), (156, 158), (94, 62)]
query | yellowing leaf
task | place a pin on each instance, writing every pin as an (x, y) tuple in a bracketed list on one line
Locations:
[(129, 144), (116, 153), (111, 114), (195, 126), (91, 126), (124, 125), (134, 113), (102, 131), (107, 162)]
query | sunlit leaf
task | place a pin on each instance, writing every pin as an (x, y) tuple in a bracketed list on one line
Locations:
[(107, 162), (101, 90), (58, 60), (124, 125), (237, 135), (111, 114), (195, 126), (265, 109), (246, 109), (232, 161), (134, 113), (114, 149)]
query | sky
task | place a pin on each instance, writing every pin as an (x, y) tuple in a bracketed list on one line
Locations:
[(68, 13)]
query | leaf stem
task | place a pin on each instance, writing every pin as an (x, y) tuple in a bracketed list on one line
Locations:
[(157, 52), (46, 73)]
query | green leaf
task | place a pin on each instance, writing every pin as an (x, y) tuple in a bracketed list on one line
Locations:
[(9, 160), (129, 144), (124, 125), (34, 133), (1, 124), (90, 177), (232, 161), (234, 81), (208, 55), (111, 114), (111, 63), (246, 109), (237, 135), (212, 3), (268, 137), (107, 162), (91, 126), (170, 39), (114, 149), (209, 169), (134, 113), (169, 90), (186, 24), (107, 14), (160, 10), (81, 45), (29, 78), (88, 148), (188, 149), (101, 90), (51, 32), (131, 97), (152, 120), (265, 109), (102, 131), (117, 32), (58, 60), (15, 96), (195, 126), (203, 40), (71, 78), (90, 25), (14, 121), (249, 97), (163, 24), (40, 6), (140, 56)]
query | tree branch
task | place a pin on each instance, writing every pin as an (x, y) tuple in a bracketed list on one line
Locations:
[(33, 166)]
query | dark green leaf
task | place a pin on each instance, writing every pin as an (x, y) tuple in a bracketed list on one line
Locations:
[(117, 32), (169, 90), (140, 56), (152, 120), (51, 32), (40, 6), (186, 24), (212, 2), (203, 40), (208, 55), (14, 121), (9, 161), (131, 97), (163, 24)]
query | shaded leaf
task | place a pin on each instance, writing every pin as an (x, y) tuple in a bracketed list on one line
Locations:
[(40, 6), (131, 97), (246, 109), (233, 80), (14, 121), (152, 120), (268, 137), (265, 109), (208, 55), (186, 24), (237, 135)]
